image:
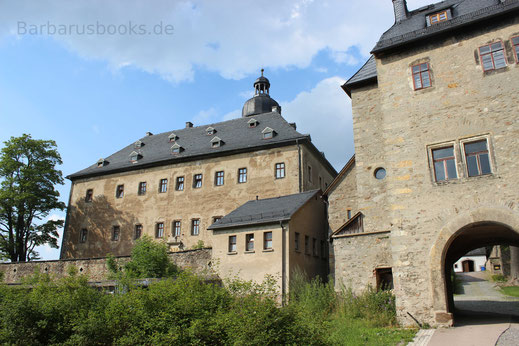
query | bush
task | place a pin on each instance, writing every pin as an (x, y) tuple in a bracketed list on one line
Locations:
[(498, 278)]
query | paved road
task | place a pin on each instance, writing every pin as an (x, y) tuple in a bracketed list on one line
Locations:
[(484, 316)]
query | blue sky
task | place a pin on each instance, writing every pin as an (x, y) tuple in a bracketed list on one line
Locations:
[(95, 93)]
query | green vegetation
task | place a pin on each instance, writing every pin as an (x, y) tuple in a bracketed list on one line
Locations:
[(457, 285), (199, 245), (183, 309), (511, 290), (27, 196), (498, 278)]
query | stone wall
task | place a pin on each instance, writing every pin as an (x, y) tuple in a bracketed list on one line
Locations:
[(341, 198), (199, 261), (395, 128)]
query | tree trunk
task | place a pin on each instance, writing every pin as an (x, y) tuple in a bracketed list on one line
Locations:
[(514, 262)]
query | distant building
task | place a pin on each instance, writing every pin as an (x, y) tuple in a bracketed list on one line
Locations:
[(435, 172), (472, 261), (179, 187)]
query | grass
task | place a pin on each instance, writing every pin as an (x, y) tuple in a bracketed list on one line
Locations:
[(511, 290)]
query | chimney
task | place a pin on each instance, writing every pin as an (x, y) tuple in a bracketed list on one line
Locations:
[(400, 7), (149, 134), (293, 125), (276, 109), (189, 124)]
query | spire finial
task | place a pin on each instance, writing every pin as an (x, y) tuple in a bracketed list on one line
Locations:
[(262, 72)]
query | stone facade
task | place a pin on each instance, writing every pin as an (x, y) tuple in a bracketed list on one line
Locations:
[(198, 261), (431, 224), (106, 211)]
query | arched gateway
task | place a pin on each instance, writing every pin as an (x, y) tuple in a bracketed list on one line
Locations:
[(471, 230)]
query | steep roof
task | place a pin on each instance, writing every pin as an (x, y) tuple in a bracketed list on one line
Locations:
[(464, 12), (195, 143), (477, 252), (414, 28), (264, 211)]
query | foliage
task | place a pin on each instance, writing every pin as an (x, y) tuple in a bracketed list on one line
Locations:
[(149, 259), (186, 310), (199, 245), (498, 278), (511, 290), (28, 175)]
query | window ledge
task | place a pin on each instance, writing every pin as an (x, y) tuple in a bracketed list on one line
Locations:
[(232, 253), (268, 250), (249, 251), (465, 179)]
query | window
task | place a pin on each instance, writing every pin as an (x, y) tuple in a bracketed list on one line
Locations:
[(249, 242), (280, 170), (421, 76), (438, 17), (384, 279), (119, 191), (307, 244), (219, 178), (267, 241), (477, 158), (232, 243), (138, 232), (195, 227), (216, 218), (242, 175), (163, 185), (172, 137), (252, 123), (197, 181), (268, 133), (177, 231), (179, 186), (492, 56), (159, 230), (314, 247), (444, 164), (323, 249), (83, 235), (296, 241), (348, 213), (210, 131), (137, 144), (515, 45), (216, 142), (116, 233), (135, 156), (310, 173), (380, 173), (176, 149), (89, 195), (142, 188)]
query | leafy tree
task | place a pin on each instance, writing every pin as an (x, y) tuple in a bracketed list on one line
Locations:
[(28, 175), (149, 259)]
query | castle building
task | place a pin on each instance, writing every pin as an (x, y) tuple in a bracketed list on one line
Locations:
[(179, 187), (435, 172)]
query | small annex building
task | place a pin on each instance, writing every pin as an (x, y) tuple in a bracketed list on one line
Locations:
[(275, 236)]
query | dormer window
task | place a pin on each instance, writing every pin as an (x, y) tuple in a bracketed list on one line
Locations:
[(252, 123), (438, 17), (135, 156), (101, 163), (268, 133), (176, 149), (138, 144), (172, 137), (210, 131), (216, 142)]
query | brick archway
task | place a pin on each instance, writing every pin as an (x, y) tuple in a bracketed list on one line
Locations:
[(506, 220)]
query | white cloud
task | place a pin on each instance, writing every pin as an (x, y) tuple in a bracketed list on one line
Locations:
[(230, 37), (325, 113), (205, 116)]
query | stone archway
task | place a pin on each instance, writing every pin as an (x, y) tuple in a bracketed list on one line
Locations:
[(480, 227)]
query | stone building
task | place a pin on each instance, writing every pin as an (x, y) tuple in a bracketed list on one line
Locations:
[(435, 172), (174, 185)]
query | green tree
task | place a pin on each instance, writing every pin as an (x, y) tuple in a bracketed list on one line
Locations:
[(28, 175)]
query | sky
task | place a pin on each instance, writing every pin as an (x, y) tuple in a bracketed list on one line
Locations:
[(96, 75)]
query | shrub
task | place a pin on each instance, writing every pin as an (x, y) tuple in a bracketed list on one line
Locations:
[(498, 278)]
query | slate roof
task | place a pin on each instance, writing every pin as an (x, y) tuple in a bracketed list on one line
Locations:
[(264, 211), (477, 252), (464, 12), (414, 28), (236, 135)]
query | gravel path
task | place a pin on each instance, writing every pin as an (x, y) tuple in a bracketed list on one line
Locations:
[(510, 337)]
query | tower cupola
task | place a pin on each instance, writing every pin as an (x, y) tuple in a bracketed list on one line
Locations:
[(261, 102)]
